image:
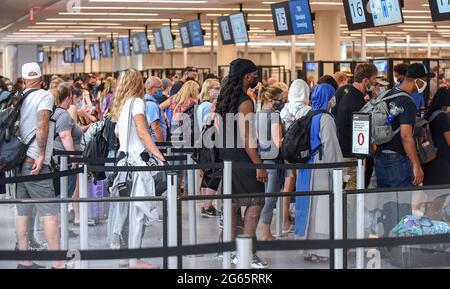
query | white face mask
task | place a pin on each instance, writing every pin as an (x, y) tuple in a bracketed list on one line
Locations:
[(421, 90), (370, 88)]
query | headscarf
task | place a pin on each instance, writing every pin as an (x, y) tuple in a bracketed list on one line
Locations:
[(441, 99), (321, 96)]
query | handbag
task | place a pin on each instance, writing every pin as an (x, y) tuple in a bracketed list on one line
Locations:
[(159, 177), (125, 185)]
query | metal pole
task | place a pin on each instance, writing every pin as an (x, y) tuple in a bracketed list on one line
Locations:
[(172, 216), (227, 211), (338, 218), (293, 57), (246, 50), (279, 219), (64, 186), (385, 47), (84, 237), (185, 57), (244, 251), (429, 45), (211, 52), (192, 207), (360, 184), (408, 42)]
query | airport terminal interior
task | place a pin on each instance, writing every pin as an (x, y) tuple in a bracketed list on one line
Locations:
[(352, 95)]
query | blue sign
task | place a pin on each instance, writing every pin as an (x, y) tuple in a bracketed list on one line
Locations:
[(196, 33), (301, 17)]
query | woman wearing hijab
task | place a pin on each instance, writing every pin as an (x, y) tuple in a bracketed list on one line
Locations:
[(437, 172), (312, 213), (297, 107)]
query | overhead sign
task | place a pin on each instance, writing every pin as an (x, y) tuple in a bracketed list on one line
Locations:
[(292, 18), (225, 30), (361, 134), (361, 14), (440, 10)]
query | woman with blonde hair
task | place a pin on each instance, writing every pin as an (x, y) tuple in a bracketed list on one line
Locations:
[(136, 149), (105, 95), (208, 99)]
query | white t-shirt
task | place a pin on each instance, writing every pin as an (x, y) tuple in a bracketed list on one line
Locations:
[(33, 104), (135, 145)]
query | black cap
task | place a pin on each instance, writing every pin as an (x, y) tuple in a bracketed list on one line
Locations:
[(191, 69), (418, 70)]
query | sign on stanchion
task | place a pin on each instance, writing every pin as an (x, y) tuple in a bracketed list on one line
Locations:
[(361, 136)]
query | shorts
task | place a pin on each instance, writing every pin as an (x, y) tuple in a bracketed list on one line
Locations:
[(36, 190), (210, 183)]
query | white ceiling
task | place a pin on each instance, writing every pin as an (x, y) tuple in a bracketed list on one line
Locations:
[(49, 25)]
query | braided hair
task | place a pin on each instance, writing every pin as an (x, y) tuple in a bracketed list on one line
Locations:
[(228, 99)]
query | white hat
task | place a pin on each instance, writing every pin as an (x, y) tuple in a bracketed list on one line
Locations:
[(347, 70), (382, 82), (31, 71)]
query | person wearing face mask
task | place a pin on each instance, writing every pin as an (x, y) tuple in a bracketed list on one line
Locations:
[(400, 71), (396, 162), (154, 114), (380, 88), (189, 73), (349, 99)]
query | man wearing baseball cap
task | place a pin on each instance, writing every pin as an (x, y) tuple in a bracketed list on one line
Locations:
[(397, 162), (189, 73), (35, 128)]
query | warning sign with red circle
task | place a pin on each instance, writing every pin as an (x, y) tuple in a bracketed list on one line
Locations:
[(361, 134)]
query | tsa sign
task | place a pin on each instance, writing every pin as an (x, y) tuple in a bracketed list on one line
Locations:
[(443, 6), (361, 134)]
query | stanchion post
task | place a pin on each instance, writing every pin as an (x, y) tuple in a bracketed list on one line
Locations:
[(360, 184), (338, 218), (172, 216), (227, 204), (64, 186), (192, 207), (279, 220), (84, 237), (244, 251)]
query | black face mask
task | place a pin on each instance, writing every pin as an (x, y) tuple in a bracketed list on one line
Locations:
[(190, 79), (254, 83), (278, 105)]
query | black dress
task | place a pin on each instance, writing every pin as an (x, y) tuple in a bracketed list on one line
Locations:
[(437, 172), (244, 180)]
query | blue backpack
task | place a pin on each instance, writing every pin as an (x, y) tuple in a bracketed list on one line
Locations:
[(419, 226)]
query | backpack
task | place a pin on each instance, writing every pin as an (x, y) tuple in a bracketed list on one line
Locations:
[(12, 149), (97, 148), (207, 153), (188, 123), (378, 109), (90, 133), (426, 150), (296, 147)]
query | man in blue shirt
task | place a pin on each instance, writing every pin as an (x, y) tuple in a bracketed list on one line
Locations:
[(400, 73), (154, 114)]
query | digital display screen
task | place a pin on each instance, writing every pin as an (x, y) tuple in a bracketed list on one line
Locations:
[(312, 66), (79, 54), (167, 38), (68, 55), (239, 27), (440, 10), (361, 14), (386, 12), (123, 46), (41, 56), (381, 65), (196, 32), (158, 39), (106, 49), (95, 51), (140, 43), (184, 34), (225, 30), (301, 17)]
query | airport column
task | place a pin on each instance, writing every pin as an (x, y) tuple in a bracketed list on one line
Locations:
[(15, 56), (327, 35), (225, 53)]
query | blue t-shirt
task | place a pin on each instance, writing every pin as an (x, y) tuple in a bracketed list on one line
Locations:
[(154, 113), (4, 95), (419, 100)]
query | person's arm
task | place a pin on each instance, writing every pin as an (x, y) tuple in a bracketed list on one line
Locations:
[(249, 140), (67, 140), (145, 137), (406, 133), (41, 138), (165, 104), (447, 137), (156, 128)]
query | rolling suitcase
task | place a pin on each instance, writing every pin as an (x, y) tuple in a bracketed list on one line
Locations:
[(97, 212)]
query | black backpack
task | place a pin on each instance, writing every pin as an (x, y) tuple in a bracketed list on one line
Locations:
[(296, 147), (208, 154), (97, 148), (12, 149)]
